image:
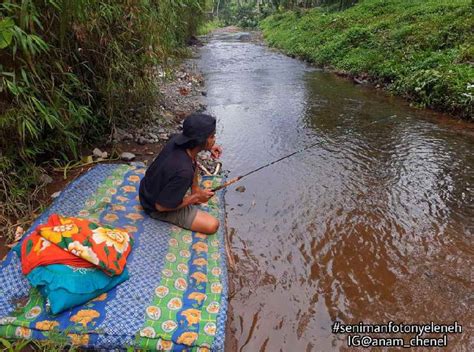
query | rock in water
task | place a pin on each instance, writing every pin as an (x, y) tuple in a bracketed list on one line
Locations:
[(127, 156), (244, 37), (240, 189)]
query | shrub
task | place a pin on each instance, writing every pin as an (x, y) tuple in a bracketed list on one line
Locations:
[(70, 70), (421, 50)]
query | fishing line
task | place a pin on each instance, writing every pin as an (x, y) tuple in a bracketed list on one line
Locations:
[(235, 179)]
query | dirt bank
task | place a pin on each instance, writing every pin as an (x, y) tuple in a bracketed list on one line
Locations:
[(181, 93)]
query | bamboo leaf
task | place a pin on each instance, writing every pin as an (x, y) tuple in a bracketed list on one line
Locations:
[(6, 343), (6, 32)]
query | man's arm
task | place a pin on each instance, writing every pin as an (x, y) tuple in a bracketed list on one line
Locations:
[(173, 195), (195, 186), (201, 196), (187, 200), (175, 190)]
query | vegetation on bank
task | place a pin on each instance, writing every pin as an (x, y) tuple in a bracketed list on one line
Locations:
[(208, 26), (421, 50), (248, 13), (72, 70)]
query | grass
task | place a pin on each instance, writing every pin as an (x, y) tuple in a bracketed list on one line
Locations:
[(421, 50), (209, 26), (53, 345)]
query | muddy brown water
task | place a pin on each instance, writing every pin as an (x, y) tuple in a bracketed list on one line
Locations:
[(375, 224)]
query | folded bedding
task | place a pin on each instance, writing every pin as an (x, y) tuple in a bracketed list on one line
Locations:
[(65, 286), (73, 260)]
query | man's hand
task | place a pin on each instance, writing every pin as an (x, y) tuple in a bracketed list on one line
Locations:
[(202, 196), (197, 197), (195, 188), (216, 151)]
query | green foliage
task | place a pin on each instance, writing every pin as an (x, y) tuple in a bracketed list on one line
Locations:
[(245, 15), (209, 26), (248, 13), (57, 342), (15, 346), (421, 50), (6, 32), (70, 70)]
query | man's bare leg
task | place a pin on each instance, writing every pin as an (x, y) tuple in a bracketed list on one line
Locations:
[(205, 223)]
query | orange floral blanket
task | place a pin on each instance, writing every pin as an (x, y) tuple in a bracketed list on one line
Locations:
[(76, 242)]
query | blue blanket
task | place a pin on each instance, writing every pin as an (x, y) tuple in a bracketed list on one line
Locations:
[(135, 313)]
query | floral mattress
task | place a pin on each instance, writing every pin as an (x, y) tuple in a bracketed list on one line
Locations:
[(176, 295)]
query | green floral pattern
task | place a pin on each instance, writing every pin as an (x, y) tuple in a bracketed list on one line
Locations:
[(187, 300)]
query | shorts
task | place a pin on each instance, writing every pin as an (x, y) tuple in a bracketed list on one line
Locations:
[(183, 217)]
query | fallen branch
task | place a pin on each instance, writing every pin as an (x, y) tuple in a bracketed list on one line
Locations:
[(81, 163)]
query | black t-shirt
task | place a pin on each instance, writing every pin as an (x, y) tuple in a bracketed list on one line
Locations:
[(167, 178)]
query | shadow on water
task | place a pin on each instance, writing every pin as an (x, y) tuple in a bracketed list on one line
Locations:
[(374, 224)]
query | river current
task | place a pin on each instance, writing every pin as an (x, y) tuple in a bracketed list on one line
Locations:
[(374, 224)]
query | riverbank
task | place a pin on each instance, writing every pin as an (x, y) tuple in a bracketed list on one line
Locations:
[(181, 89), (418, 50), (71, 75), (181, 92)]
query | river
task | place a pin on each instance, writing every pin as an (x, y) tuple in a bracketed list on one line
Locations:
[(373, 224)]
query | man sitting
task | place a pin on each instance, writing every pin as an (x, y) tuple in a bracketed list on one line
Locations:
[(168, 178)]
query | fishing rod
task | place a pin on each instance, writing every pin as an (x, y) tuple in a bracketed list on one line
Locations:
[(235, 179)]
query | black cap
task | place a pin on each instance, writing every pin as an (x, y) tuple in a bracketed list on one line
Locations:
[(196, 126)]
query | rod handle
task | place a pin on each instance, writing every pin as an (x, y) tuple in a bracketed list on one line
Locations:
[(224, 185)]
